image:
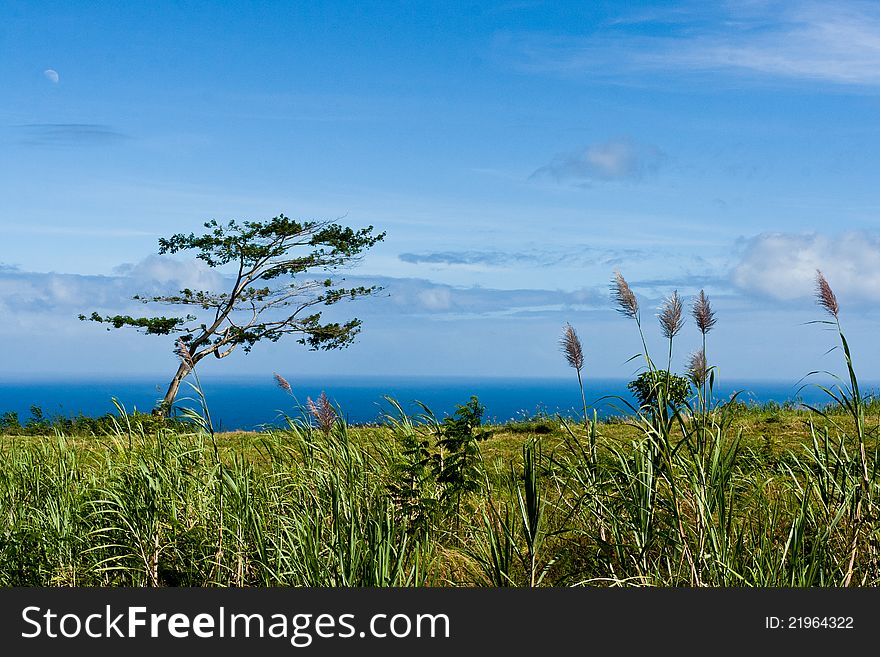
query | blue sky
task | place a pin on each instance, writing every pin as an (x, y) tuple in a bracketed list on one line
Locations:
[(516, 153)]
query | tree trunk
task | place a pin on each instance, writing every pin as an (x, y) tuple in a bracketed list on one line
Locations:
[(165, 406)]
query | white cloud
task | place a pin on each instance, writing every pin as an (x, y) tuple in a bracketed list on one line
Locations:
[(163, 273), (69, 294), (436, 298), (615, 159), (783, 265), (39, 292)]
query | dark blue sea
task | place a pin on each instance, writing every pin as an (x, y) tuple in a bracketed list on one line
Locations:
[(252, 403)]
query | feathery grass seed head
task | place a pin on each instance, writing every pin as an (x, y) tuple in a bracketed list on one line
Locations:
[(697, 368), (671, 316), (571, 347), (181, 350), (624, 296), (282, 383), (825, 295), (323, 412), (703, 313)]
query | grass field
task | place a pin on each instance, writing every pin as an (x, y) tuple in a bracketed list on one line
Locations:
[(769, 499)]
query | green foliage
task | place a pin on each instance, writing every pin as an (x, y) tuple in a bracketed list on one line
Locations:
[(429, 479), (457, 463), (649, 387), (537, 427), (279, 275), (150, 325), (263, 252), (254, 242), (9, 422), (412, 484), (531, 505), (39, 424)]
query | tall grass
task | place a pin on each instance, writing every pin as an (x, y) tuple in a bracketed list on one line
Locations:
[(364, 507)]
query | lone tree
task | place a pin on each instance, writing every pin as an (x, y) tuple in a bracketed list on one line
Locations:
[(271, 294)]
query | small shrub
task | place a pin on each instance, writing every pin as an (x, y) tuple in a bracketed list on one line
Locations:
[(529, 427), (648, 385), (412, 481), (457, 465)]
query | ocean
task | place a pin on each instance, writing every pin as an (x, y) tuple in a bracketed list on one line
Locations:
[(254, 403)]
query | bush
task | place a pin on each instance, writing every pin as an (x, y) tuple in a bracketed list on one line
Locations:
[(648, 385), (9, 422)]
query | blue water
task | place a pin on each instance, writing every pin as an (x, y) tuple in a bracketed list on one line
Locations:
[(251, 403)]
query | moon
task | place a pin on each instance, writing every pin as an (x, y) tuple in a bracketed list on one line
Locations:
[(51, 75)]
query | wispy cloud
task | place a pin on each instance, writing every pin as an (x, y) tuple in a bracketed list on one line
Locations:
[(783, 265), (831, 42), (416, 296), (490, 258), (686, 283), (837, 42), (68, 134), (615, 159), (577, 255)]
